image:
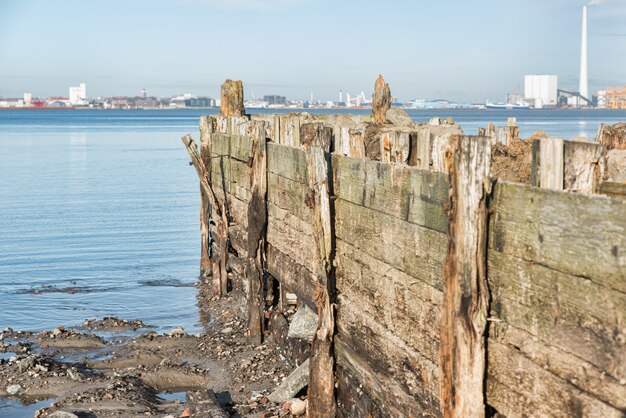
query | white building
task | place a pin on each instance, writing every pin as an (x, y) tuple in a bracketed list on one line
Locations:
[(542, 89), (78, 95), (28, 99)]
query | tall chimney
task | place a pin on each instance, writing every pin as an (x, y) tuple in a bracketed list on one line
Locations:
[(583, 87)]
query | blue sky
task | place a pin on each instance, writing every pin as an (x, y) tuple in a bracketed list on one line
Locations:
[(461, 50)]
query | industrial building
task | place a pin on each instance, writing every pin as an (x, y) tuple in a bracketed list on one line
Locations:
[(541, 90), (78, 95)]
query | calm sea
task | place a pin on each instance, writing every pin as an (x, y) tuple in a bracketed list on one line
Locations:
[(99, 210)]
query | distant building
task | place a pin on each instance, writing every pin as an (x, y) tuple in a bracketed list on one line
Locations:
[(78, 95), (28, 99), (200, 102), (541, 90), (275, 100)]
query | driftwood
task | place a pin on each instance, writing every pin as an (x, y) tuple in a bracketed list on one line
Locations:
[(322, 363), (205, 404), (294, 383), (257, 226), (466, 295), (218, 209)]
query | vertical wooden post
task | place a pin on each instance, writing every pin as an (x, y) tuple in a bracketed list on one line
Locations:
[(551, 167), (231, 99), (321, 390), (583, 166), (257, 226), (466, 294), (381, 101), (205, 207)]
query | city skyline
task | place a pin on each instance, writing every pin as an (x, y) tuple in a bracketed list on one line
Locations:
[(461, 52)]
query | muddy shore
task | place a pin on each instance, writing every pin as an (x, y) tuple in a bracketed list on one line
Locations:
[(123, 368)]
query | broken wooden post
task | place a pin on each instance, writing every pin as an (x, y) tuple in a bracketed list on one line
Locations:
[(205, 404), (466, 294), (316, 141), (257, 225), (231, 99), (583, 166), (219, 214), (381, 101)]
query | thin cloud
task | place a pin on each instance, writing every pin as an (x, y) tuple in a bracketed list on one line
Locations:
[(595, 2), (250, 5)]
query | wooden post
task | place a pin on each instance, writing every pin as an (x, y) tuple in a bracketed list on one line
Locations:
[(218, 209), (257, 226), (551, 166), (205, 207), (231, 99), (583, 166), (466, 295), (381, 101), (321, 390)]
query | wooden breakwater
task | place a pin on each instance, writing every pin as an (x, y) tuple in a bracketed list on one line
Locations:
[(441, 291)]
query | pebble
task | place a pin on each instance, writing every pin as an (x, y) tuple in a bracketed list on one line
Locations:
[(14, 390), (298, 407), (227, 330), (177, 332), (62, 414)]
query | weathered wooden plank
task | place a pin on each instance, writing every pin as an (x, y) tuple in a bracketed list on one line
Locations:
[(257, 225), (321, 391), (583, 235), (613, 189), (404, 382), (570, 324), (406, 193), (583, 166), (551, 165), (287, 161), (205, 206), (241, 147), (517, 387), (290, 235), (289, 195), (220, 144), (466, 293), (231, 98), (399, 302), (420, 252), (295, 277), (381, 100)]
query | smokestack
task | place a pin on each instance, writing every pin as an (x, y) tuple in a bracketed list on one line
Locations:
[(583, 87)]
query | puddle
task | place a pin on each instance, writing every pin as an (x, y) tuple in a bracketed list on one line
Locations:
[(173, 397), (6, 356), (16, 409)]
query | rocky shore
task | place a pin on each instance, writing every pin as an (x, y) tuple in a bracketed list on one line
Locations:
[(120, 368)]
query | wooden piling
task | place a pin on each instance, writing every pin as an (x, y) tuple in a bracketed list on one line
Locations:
[(466, 295), (257, 226), (381, 101), (205, 206), (231, 99), (321, 392)]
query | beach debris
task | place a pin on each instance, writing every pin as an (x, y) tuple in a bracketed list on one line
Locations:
[(303, 324), (293, 384)]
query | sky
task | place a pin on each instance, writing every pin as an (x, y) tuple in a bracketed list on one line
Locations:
[(469, 51)]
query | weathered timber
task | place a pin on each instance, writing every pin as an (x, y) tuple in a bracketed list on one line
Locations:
[(321, 390), (231, 99), (550, 165), (291, 235), (289, 195), (612, 137), (205, 207), (518, 387), (288, 162), (257, 226), (389, 239), (420, 149), (294, 383), (561, 231), (441, 150), (205, 404), (462, 360), (583, 166), (381, 101), (387, 296), (403, 192), (613, 189), (221, 216), (294, 277), (559, 321)]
